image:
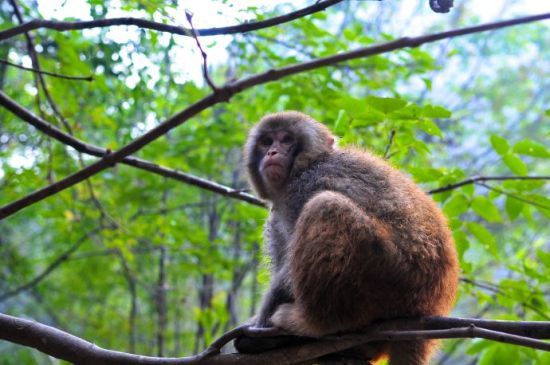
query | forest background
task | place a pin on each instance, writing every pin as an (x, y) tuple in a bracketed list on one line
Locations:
[(161, 264)]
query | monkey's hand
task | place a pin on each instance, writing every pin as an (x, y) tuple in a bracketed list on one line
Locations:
[(262, 319), (278, 293)]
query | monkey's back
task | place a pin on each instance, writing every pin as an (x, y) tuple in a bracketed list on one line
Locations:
[(422, 277)]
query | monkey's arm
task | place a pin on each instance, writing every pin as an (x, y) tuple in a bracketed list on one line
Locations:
[(279, 292)]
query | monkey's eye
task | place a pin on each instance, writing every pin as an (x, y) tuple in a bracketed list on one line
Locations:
[(266, 141), (287, 139)]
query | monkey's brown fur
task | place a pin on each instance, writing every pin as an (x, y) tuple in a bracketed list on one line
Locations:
[(352, 240)]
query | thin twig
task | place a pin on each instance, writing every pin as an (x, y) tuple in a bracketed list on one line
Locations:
[(390, 142), (228, 90), (161, 27), (513, 196), (496, 289), (53, 74), (189, 16), (476, 179)]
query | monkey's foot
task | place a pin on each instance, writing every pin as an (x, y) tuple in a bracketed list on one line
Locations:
[(290, 318)]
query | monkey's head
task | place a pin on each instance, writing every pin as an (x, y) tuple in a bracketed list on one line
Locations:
[(281, 145)]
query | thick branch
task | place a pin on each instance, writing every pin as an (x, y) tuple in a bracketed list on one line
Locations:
[(148, 24), (65, 346), (227, 91)]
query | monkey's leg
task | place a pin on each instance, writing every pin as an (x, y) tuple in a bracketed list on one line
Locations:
[(411, 352), (278, 292), (338, 255)]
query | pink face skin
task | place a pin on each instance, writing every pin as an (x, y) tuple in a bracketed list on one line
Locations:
[(277, 148)]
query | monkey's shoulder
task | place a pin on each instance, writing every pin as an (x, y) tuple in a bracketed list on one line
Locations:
[(368, 180), (351, 172)]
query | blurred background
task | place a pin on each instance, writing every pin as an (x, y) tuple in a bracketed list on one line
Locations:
[(137, 262)]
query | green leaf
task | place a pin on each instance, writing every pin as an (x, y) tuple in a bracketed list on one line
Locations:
[(500, 145), (542, 203), (486, 209), (431, 111), (483, 235), (531, 148), (544, 257), (456, 206), (427, 82), (500, 354), (425, 174), (513, 207), (385, 105), (523, 185), (515, 164), (487, 357), (430, 127), (339, 124), (461, 242), (409, 112)]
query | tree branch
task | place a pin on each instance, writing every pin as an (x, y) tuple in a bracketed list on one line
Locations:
[(40, 81), (65, 346), (148, 24), (388, 146), (513, 196), (186, 178), (53, 74), (224, 93), (93, 150), (477, 179), (189, 17)]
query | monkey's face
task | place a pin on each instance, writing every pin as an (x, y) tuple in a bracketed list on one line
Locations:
[(276, 150)]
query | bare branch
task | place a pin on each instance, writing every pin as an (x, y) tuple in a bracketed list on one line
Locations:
[(227, 91), (186, 178), (93, 150), (388, 146), (205, 74), (477, 179), (65, 346), (513, 196), (40, 81), (148, 24), (59, 76)]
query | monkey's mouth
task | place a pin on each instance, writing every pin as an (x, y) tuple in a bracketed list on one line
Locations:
[(273, 164), (274, 172)]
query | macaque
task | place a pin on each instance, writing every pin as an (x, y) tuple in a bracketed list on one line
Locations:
[(352, 240)]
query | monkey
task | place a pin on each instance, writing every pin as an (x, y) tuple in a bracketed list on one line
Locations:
[(352, 240)]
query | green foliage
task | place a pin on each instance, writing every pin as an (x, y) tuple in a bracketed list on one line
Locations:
[(452, 111)]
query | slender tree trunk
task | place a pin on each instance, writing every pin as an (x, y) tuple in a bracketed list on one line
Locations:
[(161, 302), (131, 281)]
